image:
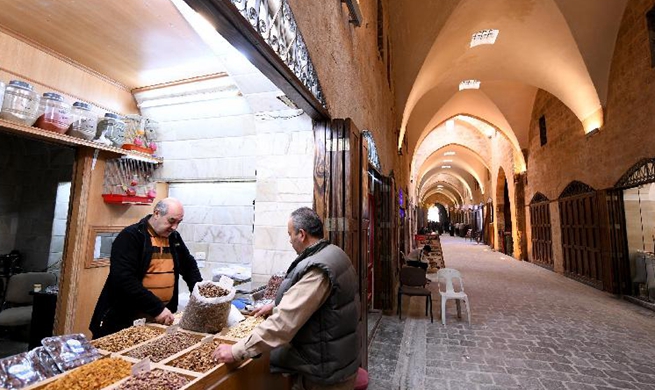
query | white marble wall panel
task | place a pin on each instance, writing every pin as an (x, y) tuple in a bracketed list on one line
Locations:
[(207, 128), (218, 220), (208, 168), (231, 253), (274, 213), (222, 234), (252, 83), (293, 166), (282, 123), (272, 237), (237, 105), (275, 144), (269, 262), (226, 215), (296, 190), (209, 148)]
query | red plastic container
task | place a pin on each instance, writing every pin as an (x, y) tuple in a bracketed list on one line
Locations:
[(126, 199)]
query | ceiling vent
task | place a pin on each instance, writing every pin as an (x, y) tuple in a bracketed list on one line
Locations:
[(484, 37), (469, 84)]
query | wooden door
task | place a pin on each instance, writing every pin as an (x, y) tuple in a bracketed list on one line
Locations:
[(581, 243), (542, 241), (338, 198), (614, 241)]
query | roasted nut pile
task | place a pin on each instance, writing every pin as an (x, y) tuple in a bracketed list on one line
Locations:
[(198, 360), (92, 376), (244, 328), (212, 291), (154, 380), (272, 286), (127, 338), (164, 347)]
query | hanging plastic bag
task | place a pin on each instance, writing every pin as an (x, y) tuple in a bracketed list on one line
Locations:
[(209, 306)]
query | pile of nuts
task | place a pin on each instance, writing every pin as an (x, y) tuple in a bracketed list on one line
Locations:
[(212, 291), (244, 328), (164, 347), (154, 380), (92, 376), (127, 338), (272, 286), (198, 360)]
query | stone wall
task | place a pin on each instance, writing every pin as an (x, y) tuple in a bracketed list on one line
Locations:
[(351, 72), (598, 160)]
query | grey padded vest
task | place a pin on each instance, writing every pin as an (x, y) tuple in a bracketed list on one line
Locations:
[(326, 349)]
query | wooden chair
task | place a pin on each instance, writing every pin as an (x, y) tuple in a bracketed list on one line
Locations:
[(412, 284)]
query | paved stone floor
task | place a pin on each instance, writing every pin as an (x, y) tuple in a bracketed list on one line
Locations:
[(531, 329)]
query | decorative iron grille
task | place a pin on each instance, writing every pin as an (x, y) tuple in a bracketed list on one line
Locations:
[(275, 23), (373, 158), (576, 188), (643, 172), (538, 198)]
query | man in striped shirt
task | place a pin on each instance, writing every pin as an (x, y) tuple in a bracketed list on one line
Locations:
[(146, 260)]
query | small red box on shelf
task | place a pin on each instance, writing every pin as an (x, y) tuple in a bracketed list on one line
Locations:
[(136, 148), (126, 199)]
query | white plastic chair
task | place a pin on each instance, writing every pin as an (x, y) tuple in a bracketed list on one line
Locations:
[(448, 275)]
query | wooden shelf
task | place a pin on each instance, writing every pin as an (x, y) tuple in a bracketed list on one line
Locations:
[(51, 136)]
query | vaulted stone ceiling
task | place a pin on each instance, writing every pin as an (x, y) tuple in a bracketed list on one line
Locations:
[(561, 46)]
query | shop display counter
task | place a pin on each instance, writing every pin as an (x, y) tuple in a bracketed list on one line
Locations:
[(192, 362)]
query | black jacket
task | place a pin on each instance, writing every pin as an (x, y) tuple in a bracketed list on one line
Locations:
[(123, 298)]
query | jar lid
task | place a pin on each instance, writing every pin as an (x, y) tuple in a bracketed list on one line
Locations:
[(53, 96), (111, 115), (82, 105), (21, 84)]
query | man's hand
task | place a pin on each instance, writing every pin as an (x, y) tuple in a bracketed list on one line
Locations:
[(265, 310), (223, 354), (165, 317)]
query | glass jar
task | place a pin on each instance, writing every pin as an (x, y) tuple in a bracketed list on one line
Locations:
[(20, 103), (113, 129), (84, 122), (3, 86), (54, 113)]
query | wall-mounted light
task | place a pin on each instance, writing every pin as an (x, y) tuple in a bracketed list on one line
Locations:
[(593, 131), (355, 12)]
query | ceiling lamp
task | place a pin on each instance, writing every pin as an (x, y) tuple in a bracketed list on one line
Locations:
[(484, 37), (446, 166), (449, 154), (447, 161), (469, 84)]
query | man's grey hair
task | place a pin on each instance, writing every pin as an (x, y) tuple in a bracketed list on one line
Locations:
[(162, 207), (306, 219)]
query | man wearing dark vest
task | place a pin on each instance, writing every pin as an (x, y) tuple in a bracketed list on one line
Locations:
[(146, 260), (312, 331)]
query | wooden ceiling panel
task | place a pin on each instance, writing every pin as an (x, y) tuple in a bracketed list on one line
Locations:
[(135, 42)]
